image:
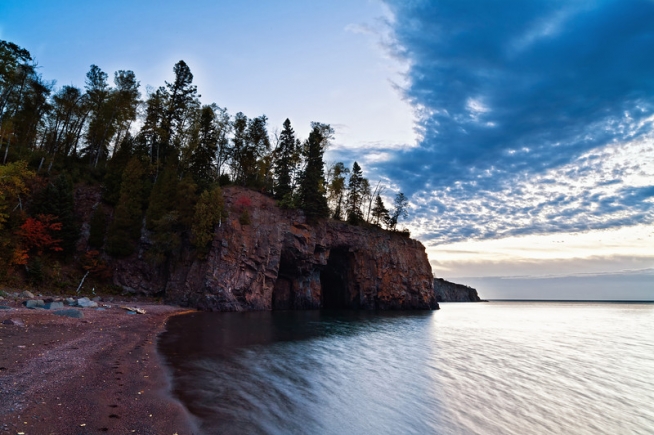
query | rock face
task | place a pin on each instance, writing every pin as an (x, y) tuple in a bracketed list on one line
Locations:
[(278, 261), (450, 292)]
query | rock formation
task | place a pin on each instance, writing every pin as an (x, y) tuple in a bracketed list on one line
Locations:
[(278, 261), (450, 292)]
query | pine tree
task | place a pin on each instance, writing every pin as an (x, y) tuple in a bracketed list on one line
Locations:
[(209, 212), (379, 211), (115, 168), (355, 195), (98, 228), (312, 188), (204, 147), (163, 198), (57, 200), (284, 155), (125, 230)]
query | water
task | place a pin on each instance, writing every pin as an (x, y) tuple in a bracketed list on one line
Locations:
[(487, 368)]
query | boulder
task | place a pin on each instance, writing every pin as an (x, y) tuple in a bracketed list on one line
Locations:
[(27, 295), (86, 303), (34, 303), (53, 305), (69, 312)]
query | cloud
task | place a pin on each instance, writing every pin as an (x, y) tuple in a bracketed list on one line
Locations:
[(518, 103)]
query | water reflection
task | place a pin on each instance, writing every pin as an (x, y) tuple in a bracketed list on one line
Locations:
[(506, 368)]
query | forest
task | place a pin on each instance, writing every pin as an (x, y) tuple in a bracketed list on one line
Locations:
[(160, 161)]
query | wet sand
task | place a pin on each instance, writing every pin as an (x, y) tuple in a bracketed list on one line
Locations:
[(97, 374)]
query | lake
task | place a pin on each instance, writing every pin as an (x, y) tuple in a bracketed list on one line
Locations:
[(469, 368)]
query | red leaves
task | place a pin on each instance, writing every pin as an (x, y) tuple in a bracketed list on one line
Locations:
[(242, 203), (37, 234)]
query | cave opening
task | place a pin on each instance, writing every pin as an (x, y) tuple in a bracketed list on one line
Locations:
[(337, 290), (283, 295)]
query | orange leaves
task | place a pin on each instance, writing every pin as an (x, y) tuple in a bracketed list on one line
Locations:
[(92, 263), (20, 257), (37, 234)]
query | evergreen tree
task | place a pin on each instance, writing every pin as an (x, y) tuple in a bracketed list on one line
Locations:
[(355, 194), (379, 211), (204, 146), (284, 157), (209, 212), (115, 168), (163, 198), (57, 200), (312, 187), (98, 228), (125, 230)]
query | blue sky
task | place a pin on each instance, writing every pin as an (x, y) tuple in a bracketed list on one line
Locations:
[(522, 130)]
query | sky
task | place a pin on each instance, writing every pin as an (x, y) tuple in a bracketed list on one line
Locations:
[(520, 130)]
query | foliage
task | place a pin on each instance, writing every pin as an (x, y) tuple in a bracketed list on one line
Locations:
[(209, 212), (379, 211), (98, 227), (37, 236), (125, 229), (56, 199), (286, 158), (93, 263), (13, 183), (312, 187), (355, 193)]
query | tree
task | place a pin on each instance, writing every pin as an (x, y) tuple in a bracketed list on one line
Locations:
[(14, 178), (355, 192), (163, 198), (98, 227), (209, 212), (379, 211), (203, 147), (312, 187), (336, 186), (401, 204), (37, 235), (100, 124), (125, 230), (57, 200), (284, 162)]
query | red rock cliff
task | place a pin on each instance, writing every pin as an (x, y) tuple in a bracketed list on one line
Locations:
[(278, 261)]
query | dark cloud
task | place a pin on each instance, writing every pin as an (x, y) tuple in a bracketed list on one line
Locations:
[(507, 86), (511, 90)]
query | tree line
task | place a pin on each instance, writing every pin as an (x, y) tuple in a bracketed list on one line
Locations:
[(161, 161)]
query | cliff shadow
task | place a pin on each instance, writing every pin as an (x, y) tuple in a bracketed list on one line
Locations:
[(283, 295), (338, 289)]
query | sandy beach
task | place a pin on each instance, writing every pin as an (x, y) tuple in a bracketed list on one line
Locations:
[(96, 374)]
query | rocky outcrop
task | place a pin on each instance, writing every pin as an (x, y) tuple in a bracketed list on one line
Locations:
[(278, 261), (446, 291)]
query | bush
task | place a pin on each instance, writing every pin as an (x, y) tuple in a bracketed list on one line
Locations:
[(244, 218)]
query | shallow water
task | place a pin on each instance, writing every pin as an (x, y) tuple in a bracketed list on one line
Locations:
[(486, 368)]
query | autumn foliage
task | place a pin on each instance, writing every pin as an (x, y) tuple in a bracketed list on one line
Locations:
[(37, 235)]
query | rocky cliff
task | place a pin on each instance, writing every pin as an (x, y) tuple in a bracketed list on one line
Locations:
[(446, 291), (278, 261)]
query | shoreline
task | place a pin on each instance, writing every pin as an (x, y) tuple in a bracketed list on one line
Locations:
[(98, 374)]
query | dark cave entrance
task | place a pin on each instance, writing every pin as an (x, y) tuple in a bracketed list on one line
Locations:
[(282, 296), (335, 281)]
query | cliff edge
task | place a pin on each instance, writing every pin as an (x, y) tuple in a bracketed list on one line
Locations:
[(278, 261), (446, 291)]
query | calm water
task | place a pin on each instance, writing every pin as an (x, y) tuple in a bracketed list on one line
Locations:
[(487, 368)]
